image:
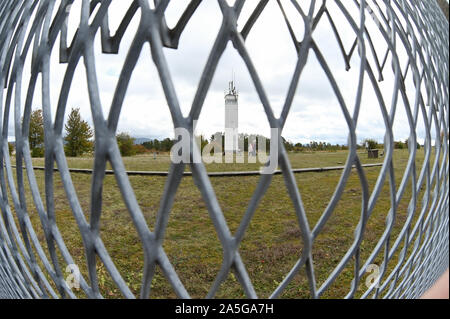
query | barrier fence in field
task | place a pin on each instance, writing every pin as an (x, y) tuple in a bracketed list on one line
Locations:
[(218, 174), (413, 31)]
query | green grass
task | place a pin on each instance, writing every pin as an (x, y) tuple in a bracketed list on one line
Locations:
[(272, 243), (162, 162)]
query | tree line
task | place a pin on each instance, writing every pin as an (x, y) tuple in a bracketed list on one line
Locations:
[(373, 144), (166, 144), (78, 140)]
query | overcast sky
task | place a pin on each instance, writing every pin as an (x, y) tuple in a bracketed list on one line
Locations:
[(315, 114)]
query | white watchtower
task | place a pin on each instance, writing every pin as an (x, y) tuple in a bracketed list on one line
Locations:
[(231, 119)]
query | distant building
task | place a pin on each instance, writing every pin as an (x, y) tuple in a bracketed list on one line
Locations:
[(231, 119)]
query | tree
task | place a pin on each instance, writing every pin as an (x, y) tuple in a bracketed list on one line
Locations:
[(166, 144), (10, 148), (371, 143), (148, 145), (156, 144), (287, 144), (399, 145), (407, 144), (78, 135), (36, 134), (203, 142), (126, 144)]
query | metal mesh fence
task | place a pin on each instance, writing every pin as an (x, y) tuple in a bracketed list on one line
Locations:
[(31, 28)]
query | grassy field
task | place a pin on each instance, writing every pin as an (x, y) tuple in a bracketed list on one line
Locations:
[(162, 162), (272, 243)]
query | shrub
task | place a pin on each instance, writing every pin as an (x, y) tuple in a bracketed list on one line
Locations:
[(126, 144)]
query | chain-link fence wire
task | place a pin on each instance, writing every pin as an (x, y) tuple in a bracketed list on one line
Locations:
[(29, 27)]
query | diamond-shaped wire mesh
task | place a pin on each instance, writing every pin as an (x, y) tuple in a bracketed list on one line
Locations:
[(29, 27)]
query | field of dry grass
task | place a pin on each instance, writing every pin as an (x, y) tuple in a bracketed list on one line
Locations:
[(271, 245)]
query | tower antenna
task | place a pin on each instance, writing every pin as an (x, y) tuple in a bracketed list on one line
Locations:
[(234, 84)]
